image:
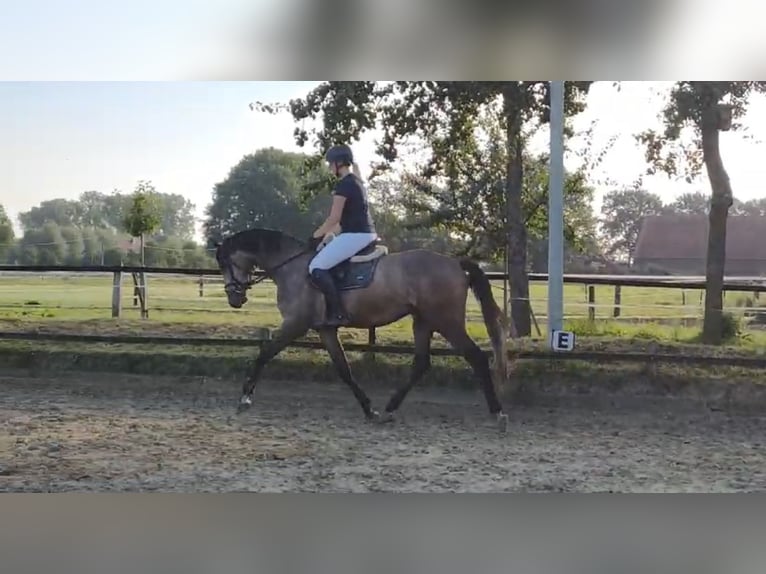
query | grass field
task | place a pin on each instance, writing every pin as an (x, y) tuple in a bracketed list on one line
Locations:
[(83, 302)]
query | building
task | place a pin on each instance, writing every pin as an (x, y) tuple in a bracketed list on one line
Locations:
[(677, 244)]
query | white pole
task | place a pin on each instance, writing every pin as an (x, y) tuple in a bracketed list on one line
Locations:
[(556, 212)]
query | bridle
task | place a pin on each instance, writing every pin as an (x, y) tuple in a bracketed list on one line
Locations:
[(240, 288)]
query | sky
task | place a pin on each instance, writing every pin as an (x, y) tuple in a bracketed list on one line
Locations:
[(60, 139), (136, 40)]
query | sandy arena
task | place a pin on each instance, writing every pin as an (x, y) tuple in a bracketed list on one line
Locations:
[(119, 433)]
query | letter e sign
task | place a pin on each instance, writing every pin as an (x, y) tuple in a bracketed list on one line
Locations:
[(562, 340)]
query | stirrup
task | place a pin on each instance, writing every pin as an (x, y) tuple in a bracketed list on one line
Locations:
[(339, 319)]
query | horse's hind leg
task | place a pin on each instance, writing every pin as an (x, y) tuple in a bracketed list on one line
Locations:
[(420, 365), (457, 336), (334, 347)]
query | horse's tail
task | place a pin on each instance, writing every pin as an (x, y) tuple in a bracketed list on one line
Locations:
[(494, 318)]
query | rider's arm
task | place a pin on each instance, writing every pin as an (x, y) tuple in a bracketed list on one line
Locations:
[(332, 223)]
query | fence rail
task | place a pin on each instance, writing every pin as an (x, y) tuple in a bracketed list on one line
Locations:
[(620, 307), (755, 285), (597, 356), (744, 284)]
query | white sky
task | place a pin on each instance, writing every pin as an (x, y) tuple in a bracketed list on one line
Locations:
[(60, 139)]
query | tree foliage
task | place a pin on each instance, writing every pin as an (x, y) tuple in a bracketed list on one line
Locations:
[(476, 210), (97, 210), (56, 245), (401, 226), (443, 118), (90, 231), (7, 235), (699, 203), (690, 203), (691, 110), (622, 214), (264, 190), (753, 207), (144, 214)]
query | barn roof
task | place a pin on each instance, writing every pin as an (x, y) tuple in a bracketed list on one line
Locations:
[(682, 236)]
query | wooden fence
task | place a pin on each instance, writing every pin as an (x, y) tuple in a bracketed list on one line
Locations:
[(754, 285), (140, 285)]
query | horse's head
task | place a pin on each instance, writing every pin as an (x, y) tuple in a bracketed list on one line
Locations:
[(235, 265), (238, 254)]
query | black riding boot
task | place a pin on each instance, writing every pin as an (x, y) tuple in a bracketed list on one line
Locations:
[(336, 315)]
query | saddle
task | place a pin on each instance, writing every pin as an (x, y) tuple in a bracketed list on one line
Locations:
[(358, 271), (369, 252)]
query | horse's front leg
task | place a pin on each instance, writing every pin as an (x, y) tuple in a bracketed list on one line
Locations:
[(288, 332), (334, 347)]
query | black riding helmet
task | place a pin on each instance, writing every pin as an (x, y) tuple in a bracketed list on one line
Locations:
[(340, 154)]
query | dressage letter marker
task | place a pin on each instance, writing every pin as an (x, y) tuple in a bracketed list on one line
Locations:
[(562, 340)]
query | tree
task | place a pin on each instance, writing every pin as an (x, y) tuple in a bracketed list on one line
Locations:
[(75, 245), (579, 220), (622, 214), (401, 227), (691, 203), (177, 216), (43, 246), (444, 116), (264, 190), (144, 215), (7, 235), (702, 110), (476, 210), (92, 227), (62, 212), (94, 209), (92, 246), (754, 207)]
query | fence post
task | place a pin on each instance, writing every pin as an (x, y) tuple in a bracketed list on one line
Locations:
[(617, 300), (201, 285), (116, 294), (140, 290), (144, 296), (371, 339), (591, 302)]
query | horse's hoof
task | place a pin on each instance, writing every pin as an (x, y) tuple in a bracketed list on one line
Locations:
[(502, 422), (386, 417), (244, 404), (373, 416)]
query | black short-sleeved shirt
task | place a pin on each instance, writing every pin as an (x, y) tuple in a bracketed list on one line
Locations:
[(356, 217)]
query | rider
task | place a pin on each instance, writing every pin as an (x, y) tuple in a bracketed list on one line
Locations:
[(351, 212)]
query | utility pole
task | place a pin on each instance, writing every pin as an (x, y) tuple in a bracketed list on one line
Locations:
[(556, 212)]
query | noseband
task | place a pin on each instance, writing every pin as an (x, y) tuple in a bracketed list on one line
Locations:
[(236, 287)]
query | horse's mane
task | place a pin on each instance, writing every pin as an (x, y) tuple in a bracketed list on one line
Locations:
[(261, 240)]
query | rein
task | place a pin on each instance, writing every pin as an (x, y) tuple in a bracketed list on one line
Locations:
[(242, 287)]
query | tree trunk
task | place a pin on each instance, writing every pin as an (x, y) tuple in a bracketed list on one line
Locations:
[(721, 201), (517, 231)]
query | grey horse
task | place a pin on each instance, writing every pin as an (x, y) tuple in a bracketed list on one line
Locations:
[(378, 288)]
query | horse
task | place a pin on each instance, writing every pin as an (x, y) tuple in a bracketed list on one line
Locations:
[(378, 288)]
